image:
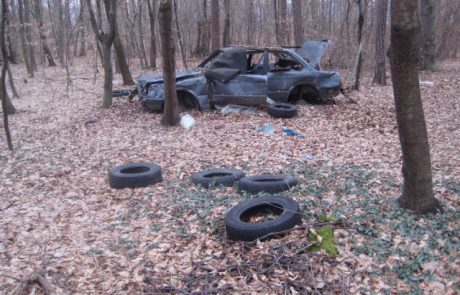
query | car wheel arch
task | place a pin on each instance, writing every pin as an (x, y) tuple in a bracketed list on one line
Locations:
[(302, 88), (183, 94)]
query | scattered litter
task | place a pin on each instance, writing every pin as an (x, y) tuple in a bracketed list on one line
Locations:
[(427, 83), (91, 120), (232, 108), (309, 156), (267, 129), (291, 132), (187, 121), (270, 101)]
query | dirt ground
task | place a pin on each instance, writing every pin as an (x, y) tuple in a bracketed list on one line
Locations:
[(59, 215)]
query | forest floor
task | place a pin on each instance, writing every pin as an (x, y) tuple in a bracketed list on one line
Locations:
[(60, 217)]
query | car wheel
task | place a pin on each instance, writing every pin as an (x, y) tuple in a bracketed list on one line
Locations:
[(134, 175), (226, 177), (285, 213), (282, 110), (267, 183)]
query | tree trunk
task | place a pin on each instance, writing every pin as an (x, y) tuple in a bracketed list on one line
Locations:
[(417, 192), (108, 75), (179, 35), (4, 68), (428, 24), (25, 47), (106, 40), (283, 22), (202, 42), (29, 35), (141, 37), (251, 18), (226, 33), (359, 53), (121, 59), (60, 31), (380, 30), (297, 21), (171, 105), (153, 50), (39, 19), (215, 24), (12, 86), (82, 51), (12, 55)]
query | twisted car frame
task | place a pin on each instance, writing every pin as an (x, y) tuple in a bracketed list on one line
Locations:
[(247, 76)]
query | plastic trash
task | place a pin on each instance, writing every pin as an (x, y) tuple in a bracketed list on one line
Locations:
[(267, 129), (427, 83), (291, 132), (232, 108), (187, 121), (309, 156)]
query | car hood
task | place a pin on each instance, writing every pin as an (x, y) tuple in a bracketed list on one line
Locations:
[(150, 78), (312, 51)]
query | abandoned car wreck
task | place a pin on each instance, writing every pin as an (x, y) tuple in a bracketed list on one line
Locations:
[(248, 76)]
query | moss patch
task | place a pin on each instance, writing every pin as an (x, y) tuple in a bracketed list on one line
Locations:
[(327, 241)]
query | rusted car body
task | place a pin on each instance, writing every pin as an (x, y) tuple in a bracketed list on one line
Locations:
[(247, 76)]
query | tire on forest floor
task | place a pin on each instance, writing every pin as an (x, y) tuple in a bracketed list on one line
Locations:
[(225, 177), (241, 222), (134, 175), (282, 110), (267, 183)]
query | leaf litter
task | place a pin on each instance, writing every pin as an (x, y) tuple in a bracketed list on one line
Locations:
[(59, 215)]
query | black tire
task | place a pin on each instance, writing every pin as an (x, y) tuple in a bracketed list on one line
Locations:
[(226, 177), (267, 183), (282, 110), (237, 229), (134, 175)]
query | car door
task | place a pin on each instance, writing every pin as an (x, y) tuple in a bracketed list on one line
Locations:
[(248, 88), (284, 72)]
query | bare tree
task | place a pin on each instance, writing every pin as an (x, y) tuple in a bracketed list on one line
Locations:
[(152, 7), (121, 59), (226, 33), (106, 39), (417, 194), (25, 47), (215, 24), (298, 21), (171, 105), (251, 25), (203, 32), (428, 25), (39, 18), (359, 53), (3, 75), (380, 30), (179, 35)]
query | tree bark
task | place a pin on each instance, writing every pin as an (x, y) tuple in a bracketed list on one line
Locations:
[(171, 105), (428, 25), (417, 194), (25, 47), (226, 33), (251, 19), (152, 6), (359, 53), (215, 24), (121, 58), (41, 33), (179, 35), (297, 21), (12, 55), (141, 37), (4, 68), (12, 86), (380, 30), (106, 40), (29, 35)]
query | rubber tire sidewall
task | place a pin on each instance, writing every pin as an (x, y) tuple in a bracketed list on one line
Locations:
[(239, 230), (229, 180), (251, 185), (119, 180), (278, 112)]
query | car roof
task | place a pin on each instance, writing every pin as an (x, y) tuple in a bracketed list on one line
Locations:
[(260, 49)]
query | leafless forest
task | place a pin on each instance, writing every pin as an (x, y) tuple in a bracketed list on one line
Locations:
[(63, 230)]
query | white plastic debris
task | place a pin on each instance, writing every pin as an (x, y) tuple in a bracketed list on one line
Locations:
[(187, 121), (232, 108), (427, 83)]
